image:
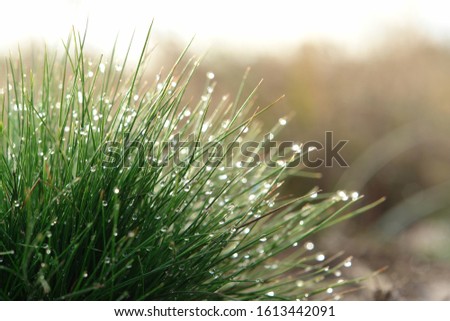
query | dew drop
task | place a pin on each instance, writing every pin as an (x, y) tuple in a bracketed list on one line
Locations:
[(270, 293), (282, 121), (330, 290), (104, 203), (116, 190), (235, 255), (309, 246), (205, 127), (342, 195), (210, 75), (320, 257), (299, 283), (263, 239)]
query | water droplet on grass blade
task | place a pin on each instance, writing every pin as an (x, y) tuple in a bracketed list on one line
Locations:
[(342, 195), (320, 257), (296, 148)]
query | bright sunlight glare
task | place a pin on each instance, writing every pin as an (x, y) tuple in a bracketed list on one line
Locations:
[(267, 26)]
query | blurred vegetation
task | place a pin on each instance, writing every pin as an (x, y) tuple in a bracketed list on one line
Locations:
[(393, 105)]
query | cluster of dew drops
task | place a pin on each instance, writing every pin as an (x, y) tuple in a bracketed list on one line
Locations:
[(127, 116)]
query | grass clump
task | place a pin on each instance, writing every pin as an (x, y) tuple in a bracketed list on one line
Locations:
[(85, 215)]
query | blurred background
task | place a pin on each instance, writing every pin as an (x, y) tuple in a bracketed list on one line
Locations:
[(374, 73)]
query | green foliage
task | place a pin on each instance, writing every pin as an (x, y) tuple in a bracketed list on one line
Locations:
[(73, 228)]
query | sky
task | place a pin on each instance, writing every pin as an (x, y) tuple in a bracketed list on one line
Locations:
[(269, 26)]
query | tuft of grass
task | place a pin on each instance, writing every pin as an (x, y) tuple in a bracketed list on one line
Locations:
[(76, 225)]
